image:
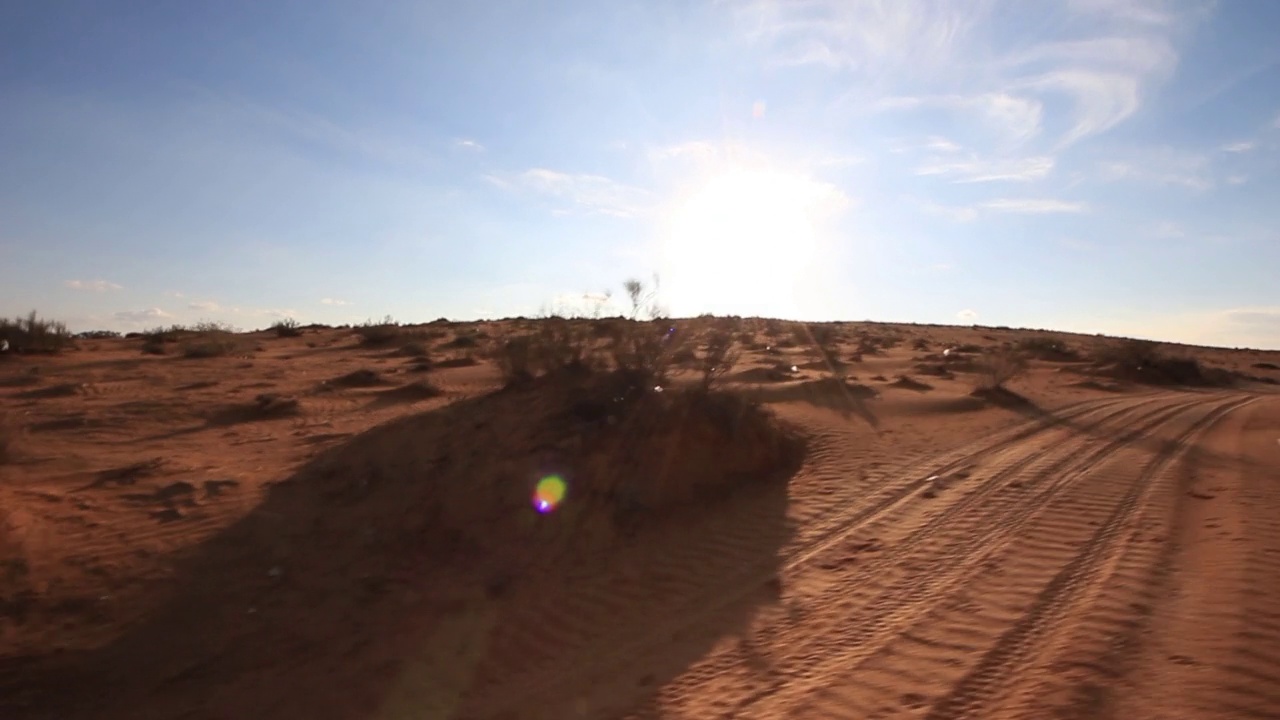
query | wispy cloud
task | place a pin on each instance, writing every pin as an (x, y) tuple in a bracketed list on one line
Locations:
[(93, 285), (333, 301), (204, 305), (967, 315), (1103, 77), (1034, 206), (978, 170), (142, 316), (1161, 166), (866, 37), (1239, 147), (583, 192), (466, 144)]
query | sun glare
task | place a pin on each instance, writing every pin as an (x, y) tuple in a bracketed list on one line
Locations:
[(742, 242)]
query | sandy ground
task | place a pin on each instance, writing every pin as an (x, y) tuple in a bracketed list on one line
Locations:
[(169, 551)]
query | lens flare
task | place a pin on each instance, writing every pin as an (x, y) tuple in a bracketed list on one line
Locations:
[(549, 493)]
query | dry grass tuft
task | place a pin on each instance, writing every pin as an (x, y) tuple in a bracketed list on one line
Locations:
[(33, 334)]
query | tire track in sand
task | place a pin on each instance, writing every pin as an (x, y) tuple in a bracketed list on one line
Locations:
[(985, 683), (916, 573)]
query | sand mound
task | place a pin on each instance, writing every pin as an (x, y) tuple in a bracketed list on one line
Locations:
[(622, 455)]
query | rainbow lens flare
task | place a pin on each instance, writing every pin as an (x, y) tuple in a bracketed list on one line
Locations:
[(549, 493)]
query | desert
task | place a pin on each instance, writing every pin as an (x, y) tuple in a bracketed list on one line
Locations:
[(803, 520)]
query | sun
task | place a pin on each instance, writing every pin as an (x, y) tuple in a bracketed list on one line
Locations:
[(742, 242)]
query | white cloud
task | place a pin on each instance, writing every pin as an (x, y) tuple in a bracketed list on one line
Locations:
[(93, 285), (175, 294), (1239, 147), (976, 170), (205, 305), (1102, 62), (142, 316), (865, 37), (940, 144), (967, 315), (591, 193), (1237, 179), (333, 301), (466, 144), (1035, 206)]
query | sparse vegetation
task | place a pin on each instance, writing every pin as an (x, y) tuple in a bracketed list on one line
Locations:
[(1143, 361), (999, 367), (33, 334), (1046, 348), (377, 334), (287, 328), (98, 335), (210, 339), (719, 355)]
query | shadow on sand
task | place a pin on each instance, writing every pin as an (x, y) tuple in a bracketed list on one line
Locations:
[(347, 594)]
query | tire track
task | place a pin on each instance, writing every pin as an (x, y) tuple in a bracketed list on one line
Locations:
[(963, 543), (839, 524), (983, 684), (695, 603)]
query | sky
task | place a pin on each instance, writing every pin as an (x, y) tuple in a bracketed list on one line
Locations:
[(1106, 166)]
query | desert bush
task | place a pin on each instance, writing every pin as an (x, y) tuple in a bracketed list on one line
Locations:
[(515, 359), (287, 328), (33, 334), (1044, 348), (719, 355), (998, 367), (210, 339), (98, 335), (375, 334)]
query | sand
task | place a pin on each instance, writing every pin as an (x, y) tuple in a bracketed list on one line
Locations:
[(278, 534)]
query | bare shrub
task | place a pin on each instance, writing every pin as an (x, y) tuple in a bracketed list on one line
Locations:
[(376, 334), (210, 339), (719, 355), (33, 334), (1045, 348), (287, 328), (515, 359), (998, 367)]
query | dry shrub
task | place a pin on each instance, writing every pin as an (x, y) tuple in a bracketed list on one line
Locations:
[(211, 339), (998, 367), (719, 355), (1142, 361), (33, 334), (287, 328), (1045, 348), (377, 334)]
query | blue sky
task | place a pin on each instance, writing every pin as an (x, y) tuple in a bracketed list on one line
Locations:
[(1086, 165)]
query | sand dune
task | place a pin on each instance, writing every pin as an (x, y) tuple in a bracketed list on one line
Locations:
[(322, 529)]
